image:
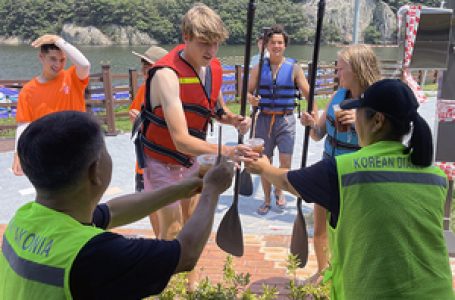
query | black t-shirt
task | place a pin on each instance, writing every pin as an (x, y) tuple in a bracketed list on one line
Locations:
[(111, 266), (319, 184)]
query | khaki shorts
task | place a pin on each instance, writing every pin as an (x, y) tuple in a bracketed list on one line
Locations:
[(282, 133)]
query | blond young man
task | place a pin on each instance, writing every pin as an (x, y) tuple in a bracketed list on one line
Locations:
[(184, 92)]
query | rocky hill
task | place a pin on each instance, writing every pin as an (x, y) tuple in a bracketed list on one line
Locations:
[(111, 35), (340, 14), (133, 22)]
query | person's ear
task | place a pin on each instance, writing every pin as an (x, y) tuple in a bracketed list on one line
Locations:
[(41, 56), (378, 122), (186, 38), (94, 172)]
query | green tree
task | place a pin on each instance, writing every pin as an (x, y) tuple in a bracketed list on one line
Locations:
[(372, 35), (330, 33)]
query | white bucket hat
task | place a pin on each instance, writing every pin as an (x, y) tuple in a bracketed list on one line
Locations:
[(152, 54)]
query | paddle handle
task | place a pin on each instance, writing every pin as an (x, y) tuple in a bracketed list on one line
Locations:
[(313, 73), (220, 131), (299, 232), (246, 62), (265, 31), (253, 122), (246, 74)]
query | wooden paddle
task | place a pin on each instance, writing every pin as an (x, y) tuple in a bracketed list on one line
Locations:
[(299, 239), (246, 183), (230, 236)]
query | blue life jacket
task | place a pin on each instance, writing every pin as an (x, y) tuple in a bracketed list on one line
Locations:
[(337, 143), (277, 95)]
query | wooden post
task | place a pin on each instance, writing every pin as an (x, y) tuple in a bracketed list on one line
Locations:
[(88, 96), (419, 77), (109, 100), (132, 73), (238, 81), (435, 77)]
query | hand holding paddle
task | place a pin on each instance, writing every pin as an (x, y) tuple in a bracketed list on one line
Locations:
[(246, 182), (299, 239)]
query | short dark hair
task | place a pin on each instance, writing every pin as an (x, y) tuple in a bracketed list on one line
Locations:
[(55, 149), (278, 29), (47, 47)]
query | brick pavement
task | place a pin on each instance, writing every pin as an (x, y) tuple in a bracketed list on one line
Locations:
[(264, 258), (6, 144)]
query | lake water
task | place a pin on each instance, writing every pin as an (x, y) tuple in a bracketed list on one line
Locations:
[(20, 62)]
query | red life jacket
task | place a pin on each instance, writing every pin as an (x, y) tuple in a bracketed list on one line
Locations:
[(198, 106)]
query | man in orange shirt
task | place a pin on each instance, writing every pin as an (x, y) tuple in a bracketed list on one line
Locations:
[(55, 89), (148, 59)]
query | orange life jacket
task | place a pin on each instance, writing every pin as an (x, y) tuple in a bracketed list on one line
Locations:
[(198, 103)]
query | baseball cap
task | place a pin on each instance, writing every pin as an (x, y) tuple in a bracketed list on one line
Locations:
[(152, 54), (389, 96)]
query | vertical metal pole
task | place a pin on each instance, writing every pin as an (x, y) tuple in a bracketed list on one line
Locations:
[(355, 34)]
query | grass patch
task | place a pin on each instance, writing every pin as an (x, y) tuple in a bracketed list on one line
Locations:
[(7, 133), (430, 87)]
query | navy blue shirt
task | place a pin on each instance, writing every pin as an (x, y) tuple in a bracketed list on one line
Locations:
[(111, 266), (319, 184)]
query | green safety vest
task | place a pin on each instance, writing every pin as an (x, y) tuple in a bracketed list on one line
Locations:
[(38, 250), (388, 242)]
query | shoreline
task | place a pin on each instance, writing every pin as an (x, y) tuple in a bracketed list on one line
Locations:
[(18, 41)]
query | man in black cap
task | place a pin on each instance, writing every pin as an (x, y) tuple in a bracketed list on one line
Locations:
[(56, 247)]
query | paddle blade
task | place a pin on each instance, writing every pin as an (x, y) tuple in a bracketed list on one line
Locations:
[(299, 239), (246, 184), (230, 236)]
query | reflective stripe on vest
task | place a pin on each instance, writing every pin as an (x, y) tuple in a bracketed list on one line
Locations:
[(389, 177), (388, 242), (337, 143), (39, 248), (279, 94), (31, 270), (189, 80)]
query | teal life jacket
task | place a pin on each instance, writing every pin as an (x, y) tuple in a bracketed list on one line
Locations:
[(337, 143)]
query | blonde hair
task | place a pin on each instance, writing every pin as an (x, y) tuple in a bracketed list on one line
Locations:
[(203, 23), (363, 62)]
